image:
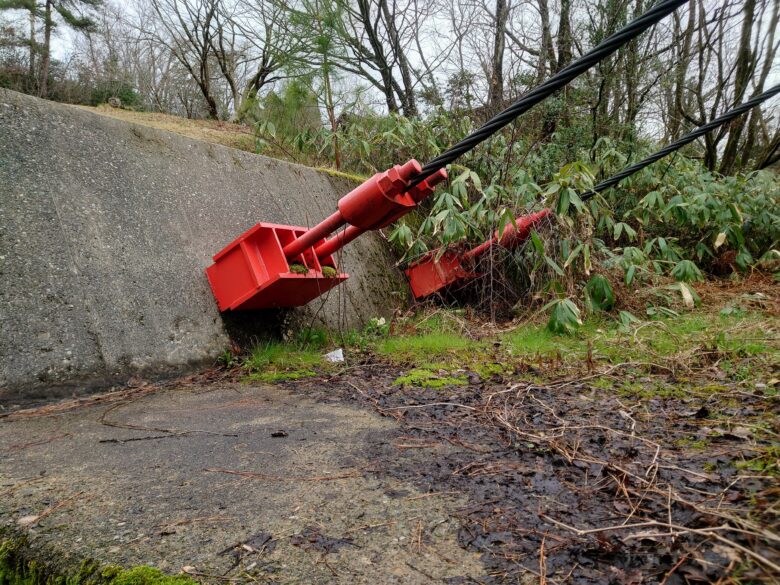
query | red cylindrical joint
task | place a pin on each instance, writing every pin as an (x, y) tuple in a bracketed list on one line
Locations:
[(416, 193), (422, 190), (380, 196), (512, 236), (314, 235), (338, 241)]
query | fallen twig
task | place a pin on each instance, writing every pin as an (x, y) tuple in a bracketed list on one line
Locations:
[(261, 476)]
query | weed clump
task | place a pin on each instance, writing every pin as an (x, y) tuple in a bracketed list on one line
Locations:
[(277, 361), (298, 269)]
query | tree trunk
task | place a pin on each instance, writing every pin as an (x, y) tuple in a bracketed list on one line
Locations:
[(681, 69), (378, 58), (564, 36), (330, 108), (33, 48), (547, 52), (43, 90), (407, 92), (496, 93), (744, 70), (756, 116), (211, 103)]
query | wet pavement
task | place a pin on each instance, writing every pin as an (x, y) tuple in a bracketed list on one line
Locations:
[(226, 480)]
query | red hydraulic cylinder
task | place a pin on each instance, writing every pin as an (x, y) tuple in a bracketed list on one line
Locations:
[(382, 195), (514, 234), (429, 275), (338, 241), (315, 234), (417, 194)]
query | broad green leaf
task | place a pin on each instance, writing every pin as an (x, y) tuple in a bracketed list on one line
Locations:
[(565, 317), (573, 256), (552, 264), (626, 319), (629, 277), (537, 242), (586, 259), (599, 293), (563, 203), (686, 271)]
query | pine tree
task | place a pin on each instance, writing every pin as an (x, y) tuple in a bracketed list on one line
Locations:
[(32, 9), (67, 11)]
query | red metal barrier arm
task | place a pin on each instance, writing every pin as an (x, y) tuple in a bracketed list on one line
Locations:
[(429, 275)]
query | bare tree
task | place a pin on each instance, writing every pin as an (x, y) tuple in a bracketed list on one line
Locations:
[(496, 87), (187, 29), (252, 44)]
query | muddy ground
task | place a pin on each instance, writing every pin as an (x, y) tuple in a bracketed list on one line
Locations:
[(349, 478), (570, 484)]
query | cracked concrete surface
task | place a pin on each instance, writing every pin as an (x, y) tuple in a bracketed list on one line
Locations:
[(180, 477)]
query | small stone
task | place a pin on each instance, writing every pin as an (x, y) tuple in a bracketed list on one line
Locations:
[(27, 520)]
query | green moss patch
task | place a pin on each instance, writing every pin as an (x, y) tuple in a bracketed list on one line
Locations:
[(426, 347), (430, 377), (17, 568)]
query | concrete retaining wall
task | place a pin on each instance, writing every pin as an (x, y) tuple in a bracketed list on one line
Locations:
[(106, 228)]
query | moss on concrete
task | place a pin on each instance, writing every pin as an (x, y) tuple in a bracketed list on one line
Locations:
[(342, 175), (18, 567)]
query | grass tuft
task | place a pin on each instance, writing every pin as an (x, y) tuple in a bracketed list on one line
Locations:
[(425, 347), (277, 361)]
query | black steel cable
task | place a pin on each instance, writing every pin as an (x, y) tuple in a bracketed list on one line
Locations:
[(556, 82), (682, 141)]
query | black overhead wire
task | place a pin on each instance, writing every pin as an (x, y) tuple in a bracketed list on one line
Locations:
[(556, 82), (682, 141)]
